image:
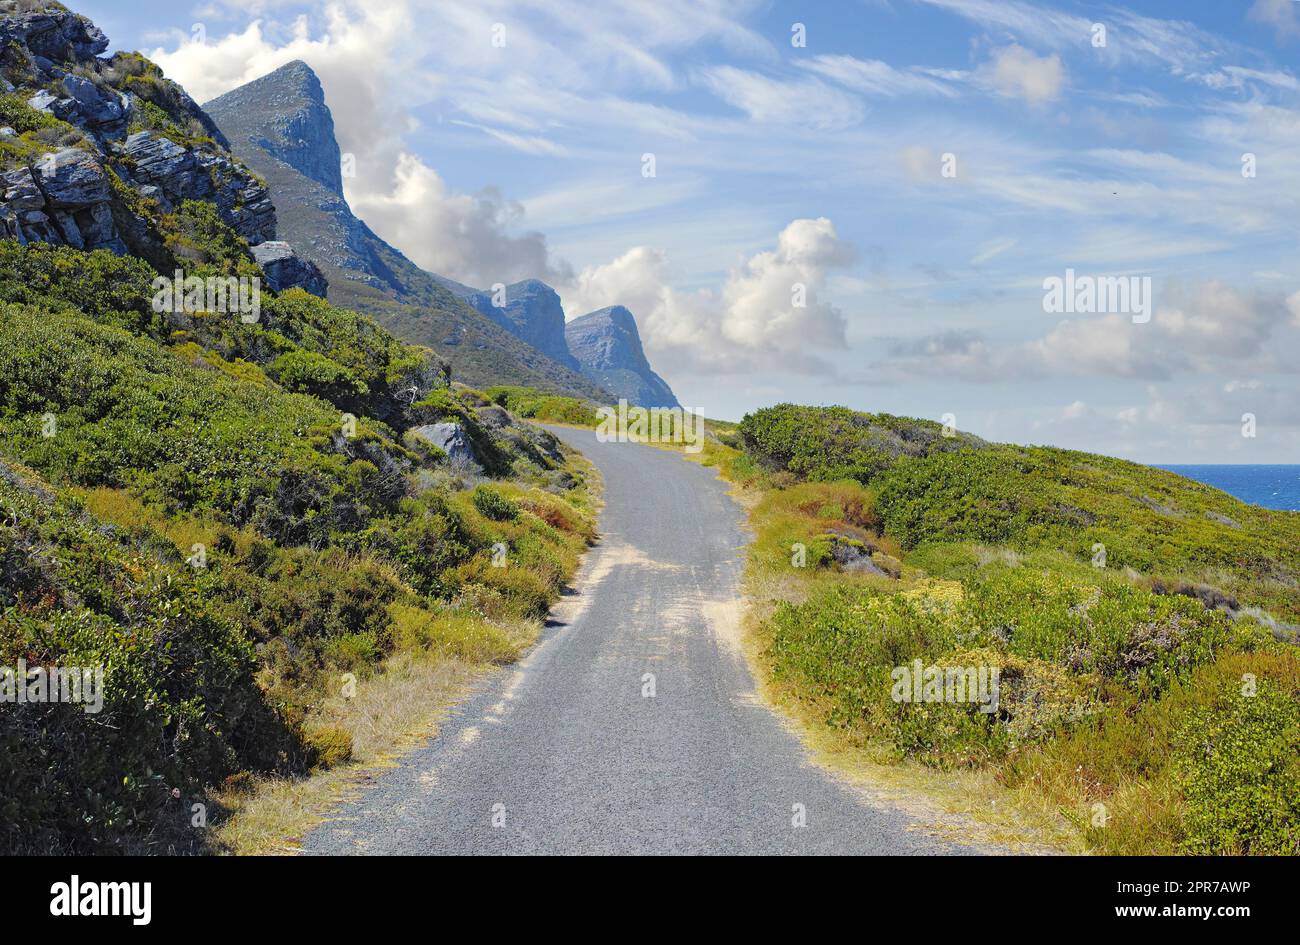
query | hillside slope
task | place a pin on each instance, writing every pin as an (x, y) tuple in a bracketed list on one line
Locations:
[(230, 514)]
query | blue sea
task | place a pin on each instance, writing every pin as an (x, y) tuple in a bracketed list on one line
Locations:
[(1274, 487)]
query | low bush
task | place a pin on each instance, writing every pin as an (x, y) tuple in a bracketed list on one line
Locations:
[(494, 505)]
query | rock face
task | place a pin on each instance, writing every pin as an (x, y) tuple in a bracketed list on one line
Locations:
[(293, 123), (285, 269), (280, 126), (451, 438), (176, 174), (66, 200), (532, 312), (53, 34), (608, 346), (50, 57)]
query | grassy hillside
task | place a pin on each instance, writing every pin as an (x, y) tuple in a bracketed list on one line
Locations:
[(233, 520), (1143, 626)]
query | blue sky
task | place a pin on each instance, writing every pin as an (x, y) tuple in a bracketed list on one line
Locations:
[(822, 166)]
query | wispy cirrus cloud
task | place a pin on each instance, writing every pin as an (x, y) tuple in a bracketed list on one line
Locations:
[(873, 77), (769, 100)]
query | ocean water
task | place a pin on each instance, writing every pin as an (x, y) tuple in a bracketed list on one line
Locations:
[(1273, 487)]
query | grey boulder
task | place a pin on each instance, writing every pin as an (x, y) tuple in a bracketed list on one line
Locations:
[(451, 438), (285, 269)]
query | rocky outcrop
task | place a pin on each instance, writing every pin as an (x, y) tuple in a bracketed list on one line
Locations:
[(608, 347), (451, 438), (101, 112), (50, 57), (174, 174), (53, 34), (285, 269), (65, 199), (858, 555)]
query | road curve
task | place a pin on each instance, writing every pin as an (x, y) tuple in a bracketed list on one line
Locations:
[(566, 753)]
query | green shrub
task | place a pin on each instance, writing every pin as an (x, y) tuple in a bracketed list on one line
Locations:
[(22, 118), (203, 244), (324, 551), (539, 405), (1238, 764), (1057, 642), (492, 504), (311, 373), (330, 745), (829, 443), (180, 708), (102, 285)]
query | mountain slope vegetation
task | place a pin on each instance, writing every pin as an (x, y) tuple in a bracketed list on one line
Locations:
[(243, 518)]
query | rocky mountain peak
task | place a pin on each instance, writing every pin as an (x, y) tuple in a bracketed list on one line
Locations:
[(284, 114), (607, 344)]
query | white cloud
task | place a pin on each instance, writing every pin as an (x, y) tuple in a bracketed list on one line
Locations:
[(873, 77), (467, 237), (992, 249), (753, 322), (807, 103), (1015, 72), (759, 310), (1206, 329), (1293, 305), (365, 64), (1183, 48), (1236, 77), (1282, 15)]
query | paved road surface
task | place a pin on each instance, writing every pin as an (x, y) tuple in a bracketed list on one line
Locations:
[(566, 753)]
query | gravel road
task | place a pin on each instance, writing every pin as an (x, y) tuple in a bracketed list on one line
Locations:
[(565, 753)]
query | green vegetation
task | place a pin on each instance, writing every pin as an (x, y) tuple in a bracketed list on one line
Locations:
[(22, 118), (231, 519), (544, 407), (38, 133), (1142, 624), (494, 505), (180, 706)]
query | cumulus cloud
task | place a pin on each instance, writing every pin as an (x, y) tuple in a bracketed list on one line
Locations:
[(464, 236), (371, 78), (759, 311), (766, 316), (1015, 72)]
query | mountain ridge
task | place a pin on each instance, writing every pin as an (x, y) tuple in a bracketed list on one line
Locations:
[(364, 271)]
